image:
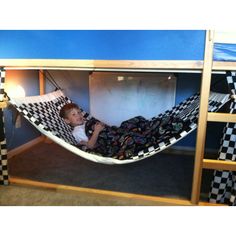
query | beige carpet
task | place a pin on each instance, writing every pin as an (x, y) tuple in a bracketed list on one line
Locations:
[(30, 196)]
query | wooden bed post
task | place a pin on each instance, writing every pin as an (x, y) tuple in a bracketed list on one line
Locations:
[(42, 92), (41, 83), (202, 120)]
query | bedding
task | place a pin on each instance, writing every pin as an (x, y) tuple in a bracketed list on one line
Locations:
[(134, 135)]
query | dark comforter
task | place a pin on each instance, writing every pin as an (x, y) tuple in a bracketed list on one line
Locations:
[(134, 135)]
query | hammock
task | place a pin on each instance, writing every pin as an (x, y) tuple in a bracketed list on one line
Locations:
[(43, 113)]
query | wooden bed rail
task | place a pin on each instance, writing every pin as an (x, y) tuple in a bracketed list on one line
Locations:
[(219, 164), (90, 65), (221, 117), (106, 64)]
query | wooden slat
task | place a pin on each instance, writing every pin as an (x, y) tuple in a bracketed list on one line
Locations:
[(221, 117), (47, 63), (58, 187), (223, 65), (150, 200), (202, 121), (75, 64), (41, 83), (42, 92), (149, 64), (128, 64), (219, 165)]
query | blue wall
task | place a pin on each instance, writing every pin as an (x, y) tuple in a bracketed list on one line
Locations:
[(16, 137), (103, 44)]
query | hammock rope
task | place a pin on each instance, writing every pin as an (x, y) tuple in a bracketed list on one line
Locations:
[(43, 112), (50, 79)]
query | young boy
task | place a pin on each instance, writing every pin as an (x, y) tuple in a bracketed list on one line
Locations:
[(120, 142), (114, 141), (73, 117)]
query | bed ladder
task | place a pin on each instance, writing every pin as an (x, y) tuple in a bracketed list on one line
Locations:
[(204, 117)]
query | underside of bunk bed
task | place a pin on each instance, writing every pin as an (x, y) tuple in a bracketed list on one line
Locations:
[(157, 200)]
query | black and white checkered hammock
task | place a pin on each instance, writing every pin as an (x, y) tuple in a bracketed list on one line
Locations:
[(223, 185), (43, 112)]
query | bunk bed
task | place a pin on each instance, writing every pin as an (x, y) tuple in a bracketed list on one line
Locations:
[(223, 55), (149, 62)]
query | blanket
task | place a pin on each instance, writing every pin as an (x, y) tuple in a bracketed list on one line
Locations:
[(134, 135)]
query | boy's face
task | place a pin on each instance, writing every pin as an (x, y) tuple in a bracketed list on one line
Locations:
[(74, 117)]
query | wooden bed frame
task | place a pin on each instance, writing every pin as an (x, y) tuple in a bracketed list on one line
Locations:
[(207, 66)]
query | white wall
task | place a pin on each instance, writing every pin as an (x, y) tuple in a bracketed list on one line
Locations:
[(74, 84), (115, 97)]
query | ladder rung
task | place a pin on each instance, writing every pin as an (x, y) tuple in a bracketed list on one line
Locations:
[(221, 117), (219, 164)]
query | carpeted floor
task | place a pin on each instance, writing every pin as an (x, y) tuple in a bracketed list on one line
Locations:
[(30, 196), (163, 175)]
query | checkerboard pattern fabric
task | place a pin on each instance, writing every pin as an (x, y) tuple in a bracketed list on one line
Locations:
[(43, 113), (3, 147), (3, 154), (223, 186), (2, 82)]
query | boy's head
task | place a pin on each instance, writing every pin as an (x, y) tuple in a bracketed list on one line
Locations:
[(72, 115)]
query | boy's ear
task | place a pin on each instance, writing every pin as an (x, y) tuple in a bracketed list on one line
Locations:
[(67, 121)]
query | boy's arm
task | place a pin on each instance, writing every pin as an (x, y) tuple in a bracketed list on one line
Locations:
[(93, 140)]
